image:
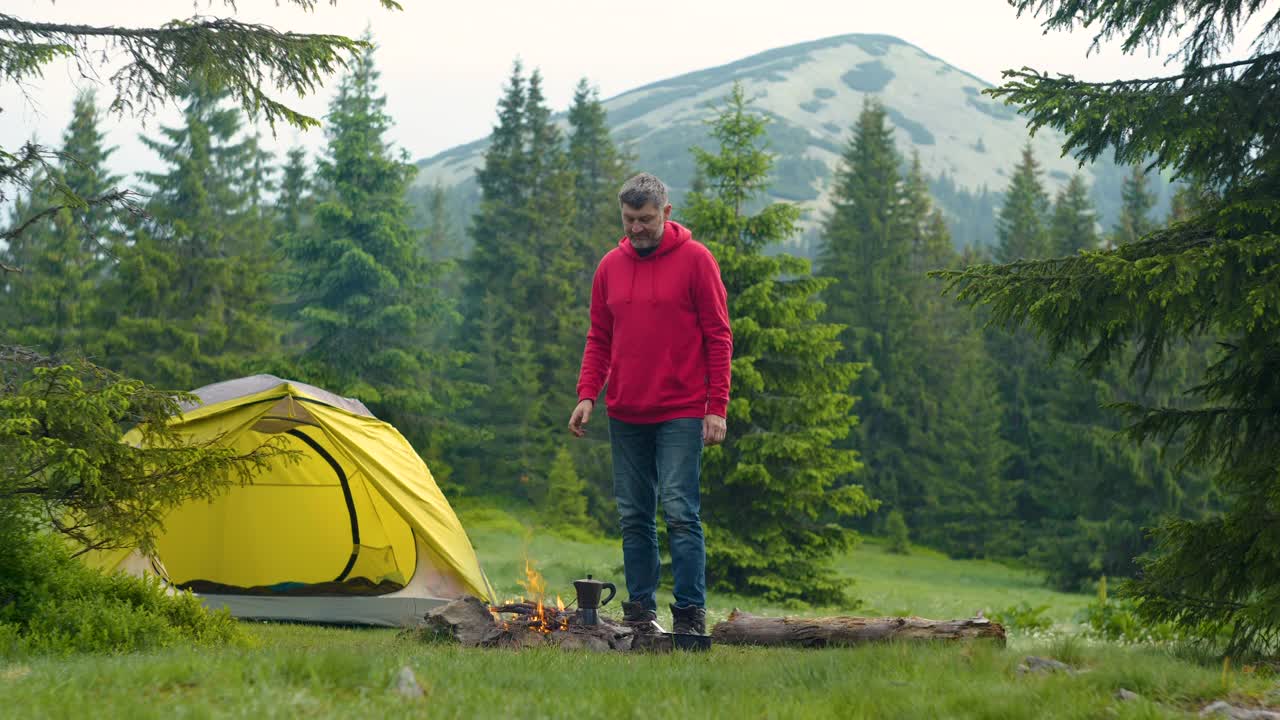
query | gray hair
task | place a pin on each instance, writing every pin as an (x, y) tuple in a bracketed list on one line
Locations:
[(642, 190)]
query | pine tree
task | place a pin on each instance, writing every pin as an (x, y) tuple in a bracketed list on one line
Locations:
[(778, 482), (866, 248), (502, 200), (1190, 199), (522, 319), (63, 256), (441, 244), (1136, 204), (1023, 372), (1211, 273), (1074, 224), (441, 248), (1082, 497), (1020, 227), (565, 504), (293, 206), (599, 169), (188, 303), (488, 332), (367, 295), (499, 338), (551, 300), (961, 502), (1091, 495)]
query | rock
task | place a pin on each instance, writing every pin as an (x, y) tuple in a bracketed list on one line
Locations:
[(622, 641), (579, 641), (1127, 695), (652, 642), (1222, 708), (407, 684), (467, 620), (1033, 664)]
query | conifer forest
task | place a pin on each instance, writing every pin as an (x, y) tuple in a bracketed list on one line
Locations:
[(1096, 400)]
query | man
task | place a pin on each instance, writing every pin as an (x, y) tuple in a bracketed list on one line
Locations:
[(660, 337)]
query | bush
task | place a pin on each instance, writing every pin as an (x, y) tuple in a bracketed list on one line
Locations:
[(1117, 619), (63, 452), (62, 457), (896, 528), (10, 640), (1024, 617), (52, 603), (95, 624), (566, 502)]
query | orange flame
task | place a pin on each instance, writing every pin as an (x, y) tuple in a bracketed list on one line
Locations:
[(543, 619), (533, 583)]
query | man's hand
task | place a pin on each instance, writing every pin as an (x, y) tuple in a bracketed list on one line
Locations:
[(582, 415), (713, 430)]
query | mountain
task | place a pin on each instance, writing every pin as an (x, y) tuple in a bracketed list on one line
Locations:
[(813, 92)]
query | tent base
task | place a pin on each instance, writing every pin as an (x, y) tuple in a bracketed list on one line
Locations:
[(378, 611)]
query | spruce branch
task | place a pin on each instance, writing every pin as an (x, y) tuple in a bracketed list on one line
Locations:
[(159, 61), (119, 199), (1199, 73), (1213, 24), (1191, 122)]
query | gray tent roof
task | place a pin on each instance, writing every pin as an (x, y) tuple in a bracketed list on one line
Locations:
[(254, 384)]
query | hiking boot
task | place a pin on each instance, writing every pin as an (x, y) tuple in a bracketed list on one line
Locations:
[(635, 616), (688, 621)]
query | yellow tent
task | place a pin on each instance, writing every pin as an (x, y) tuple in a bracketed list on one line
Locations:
[(351, 530)]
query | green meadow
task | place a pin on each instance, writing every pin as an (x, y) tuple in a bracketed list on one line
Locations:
[(320, 672)]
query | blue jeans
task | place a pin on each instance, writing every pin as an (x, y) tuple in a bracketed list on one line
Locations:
[(652, 463)]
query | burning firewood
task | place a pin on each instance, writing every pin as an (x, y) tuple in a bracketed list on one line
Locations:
[(524, 622), (472, 623), (533, 616)]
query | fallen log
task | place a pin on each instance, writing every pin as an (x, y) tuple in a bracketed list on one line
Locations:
[(745, 629)]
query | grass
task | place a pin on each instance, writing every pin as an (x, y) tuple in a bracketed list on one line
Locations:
[(913, 584), (301, 671), (924, 583), (325, 672)]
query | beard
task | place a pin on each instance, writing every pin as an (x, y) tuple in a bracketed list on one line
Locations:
[(644, 239)]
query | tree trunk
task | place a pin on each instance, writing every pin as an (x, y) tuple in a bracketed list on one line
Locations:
[(744, 629)]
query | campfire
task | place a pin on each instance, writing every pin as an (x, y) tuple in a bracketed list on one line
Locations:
[(533, 614), (532, 620)]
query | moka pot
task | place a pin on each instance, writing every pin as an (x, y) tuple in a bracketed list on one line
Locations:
[(589, 601)]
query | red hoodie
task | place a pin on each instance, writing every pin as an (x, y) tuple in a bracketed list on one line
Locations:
[(659, 332)]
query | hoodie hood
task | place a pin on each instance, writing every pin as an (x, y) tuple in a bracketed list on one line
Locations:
[(643, 267), (673, 236)]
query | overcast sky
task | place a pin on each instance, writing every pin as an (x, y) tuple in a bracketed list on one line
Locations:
[(443, 63)]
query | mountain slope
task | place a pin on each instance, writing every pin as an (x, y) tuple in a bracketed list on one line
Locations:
[(813, 92)]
